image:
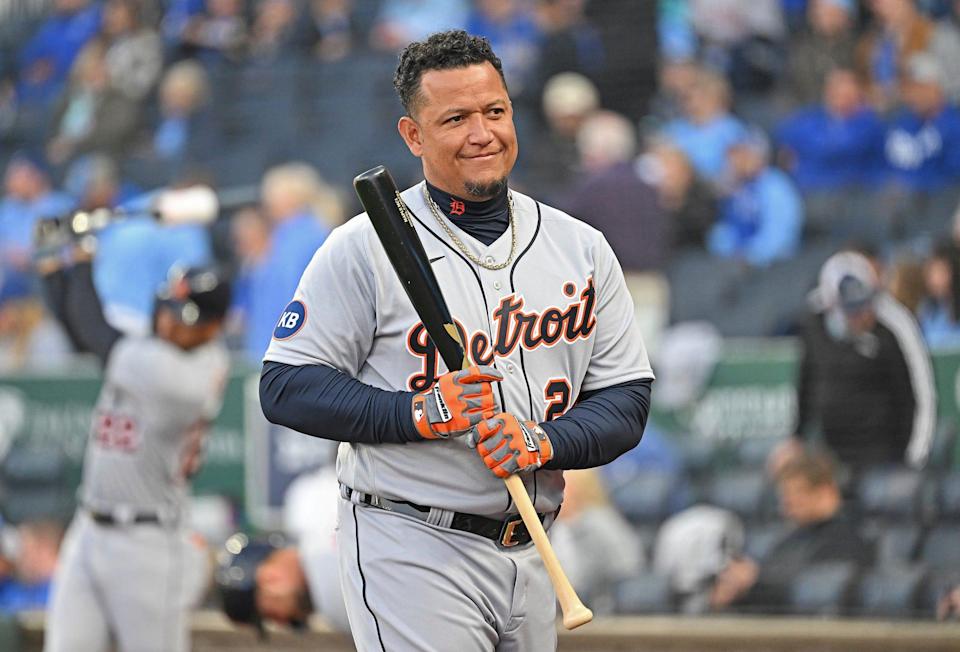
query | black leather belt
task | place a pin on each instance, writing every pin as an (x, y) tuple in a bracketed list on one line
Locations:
[(102, 518), (506, 533)]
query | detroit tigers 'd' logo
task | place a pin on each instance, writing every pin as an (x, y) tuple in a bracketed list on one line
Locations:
[(513, 327)]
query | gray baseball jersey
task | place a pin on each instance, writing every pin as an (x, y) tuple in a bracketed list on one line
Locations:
[(135, 583), (149, 424), (556, 322)]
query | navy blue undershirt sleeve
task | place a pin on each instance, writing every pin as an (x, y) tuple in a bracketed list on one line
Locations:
[(603, 425), (73, 300), (324, 402)]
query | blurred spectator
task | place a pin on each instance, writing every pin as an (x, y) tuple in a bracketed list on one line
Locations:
[(570, 43), (949, 605), (677, 40), (831, 150), (707, 128), (333, 27), (810, 500), (215, 35), (907, 284), (829, 43), (92, 116), (29, 339), (692, 547), (402, 21), (690, 203), (761, 220), (275, 33), (568, 100), (741, 38), (613, 198), (134, 50), (185, 132), (922, 149), (594, 542), (35, 559), (899, 31), (675, 79), (945, 45), (835, 144), (177, 15), (44, 62), (513, 33), (310, 516), (939, 313), (293, 197), (28, 196), (865, 380)]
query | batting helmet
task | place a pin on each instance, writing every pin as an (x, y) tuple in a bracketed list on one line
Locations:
[(236, 575), (195, 294)]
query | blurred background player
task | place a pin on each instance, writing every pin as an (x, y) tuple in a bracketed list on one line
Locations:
[(160, 394)]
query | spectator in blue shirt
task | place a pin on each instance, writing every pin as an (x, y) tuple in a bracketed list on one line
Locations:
[(922, 151), (762, 218), (833, 145), (29, 196), (302, 210), (707, 129), (510, 27), (833, 151), (28, 587), (44, 62)]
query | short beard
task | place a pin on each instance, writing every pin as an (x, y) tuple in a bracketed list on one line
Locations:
[(485, 190)]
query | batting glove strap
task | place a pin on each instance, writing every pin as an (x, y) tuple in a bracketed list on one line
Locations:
[(456, 403), (508, 445)]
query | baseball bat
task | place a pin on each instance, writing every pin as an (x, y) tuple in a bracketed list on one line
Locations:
[(381, 200)]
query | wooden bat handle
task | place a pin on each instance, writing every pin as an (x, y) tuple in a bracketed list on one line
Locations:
[(575, 613)]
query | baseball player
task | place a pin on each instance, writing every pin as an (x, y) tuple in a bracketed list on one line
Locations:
[(129, 571), (432, 554)]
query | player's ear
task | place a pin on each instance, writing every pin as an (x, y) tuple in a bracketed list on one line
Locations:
[(411, 134)]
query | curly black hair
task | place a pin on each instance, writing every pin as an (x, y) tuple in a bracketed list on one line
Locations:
[(441, 51)]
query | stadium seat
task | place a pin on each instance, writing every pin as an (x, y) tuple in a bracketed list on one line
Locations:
[(822, 589), (647, 593), (948, 497), (894, 493), (645, 498), (897, 542), (941, 548), (743, 491), (889, 591), (754, 451)]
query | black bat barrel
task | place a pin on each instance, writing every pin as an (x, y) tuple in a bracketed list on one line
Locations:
[(381, 200)]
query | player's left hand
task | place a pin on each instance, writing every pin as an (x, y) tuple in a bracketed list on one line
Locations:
[(508, 445)]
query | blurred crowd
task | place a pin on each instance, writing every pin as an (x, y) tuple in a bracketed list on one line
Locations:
[(726, 148)]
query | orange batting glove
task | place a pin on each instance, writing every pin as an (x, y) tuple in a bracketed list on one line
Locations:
[(508, 445), (457, 402)]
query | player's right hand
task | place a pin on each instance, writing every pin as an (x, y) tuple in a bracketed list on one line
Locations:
[(457, 402)]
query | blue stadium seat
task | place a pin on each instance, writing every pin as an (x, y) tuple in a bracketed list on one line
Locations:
[(743, 491), (890, 591), (647, 593), (948, 497), (897, 543), (941, 548), (822, 589), (894, 493), (645, 498)]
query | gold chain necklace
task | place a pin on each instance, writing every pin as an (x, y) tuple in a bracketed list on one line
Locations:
[(462, 247)]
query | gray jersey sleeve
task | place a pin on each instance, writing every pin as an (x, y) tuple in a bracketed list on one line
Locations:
[(619, 354), (332, 318)]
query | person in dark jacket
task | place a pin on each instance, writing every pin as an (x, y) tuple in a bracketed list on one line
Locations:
[(865, 380), (810, 499)]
